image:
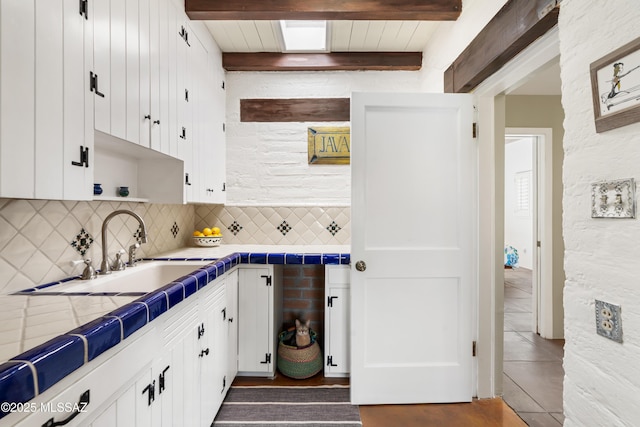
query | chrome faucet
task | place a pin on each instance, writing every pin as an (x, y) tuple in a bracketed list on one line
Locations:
[(105, 268)]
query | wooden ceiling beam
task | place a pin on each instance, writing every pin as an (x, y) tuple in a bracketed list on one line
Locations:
[(518, 24), (337, 61), (388, 10)]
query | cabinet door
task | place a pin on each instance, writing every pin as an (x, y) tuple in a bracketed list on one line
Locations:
[(337, 324), (49, 105), (255, 321), (134, 30), (78, 130), (102, 64), (214, 360), (232, 326), (144, 37), (17, 98), (118, 70)]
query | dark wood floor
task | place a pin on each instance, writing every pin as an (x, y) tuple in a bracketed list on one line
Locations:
[(479, 413)]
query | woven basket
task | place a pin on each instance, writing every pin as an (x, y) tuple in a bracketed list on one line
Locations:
[(299, 363)]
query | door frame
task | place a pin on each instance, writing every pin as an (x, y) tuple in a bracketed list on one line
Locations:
[(490, 97), (542, 272)]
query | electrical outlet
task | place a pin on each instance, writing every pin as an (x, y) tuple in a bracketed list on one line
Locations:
[(609, 320)]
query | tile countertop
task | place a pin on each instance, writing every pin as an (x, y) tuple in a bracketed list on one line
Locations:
[(57, 334)]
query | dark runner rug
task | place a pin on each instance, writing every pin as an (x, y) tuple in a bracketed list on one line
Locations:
[(264, 406)]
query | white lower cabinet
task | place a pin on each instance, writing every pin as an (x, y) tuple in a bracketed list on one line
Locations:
[(337, 321), (173, 372), (259, 318)]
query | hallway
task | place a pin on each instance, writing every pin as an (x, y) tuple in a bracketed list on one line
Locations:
[(533, 372)]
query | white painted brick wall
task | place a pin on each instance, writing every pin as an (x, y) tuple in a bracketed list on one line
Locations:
[(602, 377), (267, 162)]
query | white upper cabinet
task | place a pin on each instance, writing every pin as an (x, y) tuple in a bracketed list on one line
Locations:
[(45, 149), (87, 74)]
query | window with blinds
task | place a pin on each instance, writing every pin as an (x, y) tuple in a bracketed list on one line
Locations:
[(523, 193)]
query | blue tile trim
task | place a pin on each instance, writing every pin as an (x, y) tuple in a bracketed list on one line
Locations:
[(190, 284), (312, 259), (101, 335), (54, 359), (293, 259), (175, 293), (17, 383), (133, 317), (275, 258), (156, 302), (257, 258)]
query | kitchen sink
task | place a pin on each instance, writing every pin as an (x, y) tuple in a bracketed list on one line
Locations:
[(146, 276)]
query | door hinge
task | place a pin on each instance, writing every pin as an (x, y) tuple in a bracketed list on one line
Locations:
[(151, 388), (473, 349), (200, 330), (84, 8), (161, 382), (84, 158), (330, 361), (330, 301), (267, 359), (475, 130), (267, 280), (93, 84)]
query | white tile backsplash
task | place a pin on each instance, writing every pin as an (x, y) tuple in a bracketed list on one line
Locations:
[(36, 235), (309, 224)]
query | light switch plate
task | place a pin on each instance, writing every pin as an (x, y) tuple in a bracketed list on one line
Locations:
[(613, 199), (609, 320)]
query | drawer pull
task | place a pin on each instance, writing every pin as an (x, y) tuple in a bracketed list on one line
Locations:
[(82, 404)]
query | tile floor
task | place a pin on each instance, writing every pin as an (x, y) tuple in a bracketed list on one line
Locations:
[(533, 370)]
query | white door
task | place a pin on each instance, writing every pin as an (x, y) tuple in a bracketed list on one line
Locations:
[(413, 220)]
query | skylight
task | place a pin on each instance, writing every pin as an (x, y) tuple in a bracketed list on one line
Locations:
[(304, 36)]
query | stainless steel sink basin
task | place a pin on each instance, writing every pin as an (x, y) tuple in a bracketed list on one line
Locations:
[(146, 276)]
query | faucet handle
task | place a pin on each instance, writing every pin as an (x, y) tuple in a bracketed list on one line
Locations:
[(89, 272), (118, 263), (132, 254)]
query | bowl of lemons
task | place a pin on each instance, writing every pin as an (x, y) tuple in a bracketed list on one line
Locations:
[(208, 237)]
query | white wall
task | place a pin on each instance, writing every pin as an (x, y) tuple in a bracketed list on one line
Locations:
[(518, 226), (602, 377), (267, 162)]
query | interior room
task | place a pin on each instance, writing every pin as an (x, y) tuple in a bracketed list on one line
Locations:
[(185, 183)]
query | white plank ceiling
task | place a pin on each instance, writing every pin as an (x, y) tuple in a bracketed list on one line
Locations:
[(345, 36)]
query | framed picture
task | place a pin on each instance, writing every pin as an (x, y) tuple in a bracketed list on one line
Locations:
[(615, 87)]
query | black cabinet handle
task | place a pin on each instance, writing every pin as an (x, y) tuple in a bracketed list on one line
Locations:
[(147, 117), (224, 314), (156, 122), (183, 135), (330, 301), (231, 319), (82, 404), (204, 352)]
